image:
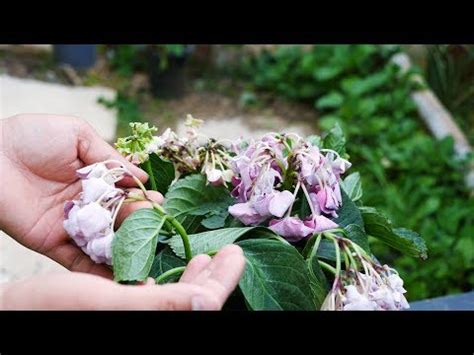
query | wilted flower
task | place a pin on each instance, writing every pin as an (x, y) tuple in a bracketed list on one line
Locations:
[(292, 228), (260, 168), (89, 221), (377, 288), (354, 300), (135, 147), (320, 175)]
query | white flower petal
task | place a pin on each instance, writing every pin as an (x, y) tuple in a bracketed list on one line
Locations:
[(93, 220)]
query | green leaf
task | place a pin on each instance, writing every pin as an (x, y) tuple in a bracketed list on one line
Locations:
[(165, 260), (215, 221), (205, 242), (134, 245), (358, 236), (318, 282), (215, 213), (188, 195), (233, 223), (326, 73), (409, 242), (354, 232), (380, 227), (352, 186), (314, 140), (348, 213), (335, 140), (276, 276), (161, 173), (326, 250), (210, 207), (332, 100)]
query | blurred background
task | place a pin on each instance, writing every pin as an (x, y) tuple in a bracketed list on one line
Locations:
[(407, 112)]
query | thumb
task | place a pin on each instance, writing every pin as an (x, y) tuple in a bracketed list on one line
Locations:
[(93, 149)]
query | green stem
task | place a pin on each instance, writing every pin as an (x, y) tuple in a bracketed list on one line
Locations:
[(170, 221), (178, 227), (348, 253), (316, 246), (327, 267), (184, 236), (140, 185), (171, 272), (338, 257), (346, 260), (151, 177)]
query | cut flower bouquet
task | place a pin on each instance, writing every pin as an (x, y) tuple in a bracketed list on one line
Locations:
[(286, 200)]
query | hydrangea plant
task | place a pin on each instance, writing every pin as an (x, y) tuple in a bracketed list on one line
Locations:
[(286, 200)]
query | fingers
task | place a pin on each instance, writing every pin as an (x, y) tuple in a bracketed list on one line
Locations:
[(223, 273), (208, 290), (93, 149), (78, 291), (72, 258), (195, 266), (62, 291), (176, 296), (129, 208)]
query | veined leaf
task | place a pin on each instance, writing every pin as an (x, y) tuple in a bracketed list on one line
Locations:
[(348, 213), (187, 196), (380, 227), (162, 173), (164, 261), (352, 186), (215, 221), (276, 276), (205, 242), (318, 282), (335, 140), (134, 245), (358, 236), (315, 140), (326, 250)]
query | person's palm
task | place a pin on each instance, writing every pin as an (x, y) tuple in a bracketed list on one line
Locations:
[(39, 157)]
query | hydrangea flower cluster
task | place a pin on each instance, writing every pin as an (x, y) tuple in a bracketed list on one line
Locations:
[(136, 147), (377, 288), (189, 154), (89, 220), (290, 184), (374, 292), (268, 169)]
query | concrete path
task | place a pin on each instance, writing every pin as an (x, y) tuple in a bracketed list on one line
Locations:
[(235, 127), (32, 96)]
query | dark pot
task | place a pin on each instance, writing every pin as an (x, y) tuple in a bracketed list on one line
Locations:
[(79, 56), (168, 83)]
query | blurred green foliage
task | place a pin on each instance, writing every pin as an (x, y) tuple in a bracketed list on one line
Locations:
[(126, 59), (415, 179), (127, 109), (450, 73)]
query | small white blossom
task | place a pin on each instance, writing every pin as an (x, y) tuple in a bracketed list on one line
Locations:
[(93, 219), (94, 188)]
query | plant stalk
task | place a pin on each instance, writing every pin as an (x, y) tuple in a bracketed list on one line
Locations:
[(178, 227), (169, 273), (151, 176)]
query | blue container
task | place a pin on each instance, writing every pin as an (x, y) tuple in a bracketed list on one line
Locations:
[(79, 56)]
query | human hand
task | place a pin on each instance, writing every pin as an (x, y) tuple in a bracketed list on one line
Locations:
[(39, 156), (205, 285)]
